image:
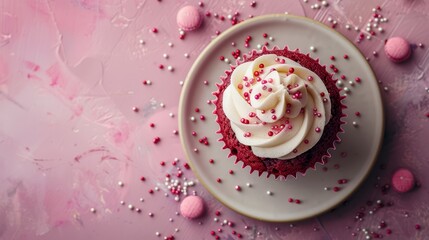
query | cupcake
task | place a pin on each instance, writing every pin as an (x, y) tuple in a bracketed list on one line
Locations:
[(279, 112)]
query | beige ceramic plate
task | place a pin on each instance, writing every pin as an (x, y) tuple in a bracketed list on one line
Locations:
[(352, 159)]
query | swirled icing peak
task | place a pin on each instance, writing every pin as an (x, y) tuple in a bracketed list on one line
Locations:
[(276, 106)]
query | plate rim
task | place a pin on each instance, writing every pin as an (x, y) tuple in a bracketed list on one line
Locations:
[(187, 86)]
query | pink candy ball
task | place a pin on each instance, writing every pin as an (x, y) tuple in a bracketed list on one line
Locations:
[(397, 49), (403, 180), (192, 207), (189, 18)]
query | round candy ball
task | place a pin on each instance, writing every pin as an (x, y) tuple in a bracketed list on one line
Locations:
[(192, 207), (403, 180), (189, 18), (397, 49)]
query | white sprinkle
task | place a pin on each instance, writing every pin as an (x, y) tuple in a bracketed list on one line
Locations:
[(351, 83), (181, 32), (181, 83), (216, 219), (329, 19), (130, 206), (259, 46), (354, 124), (141, 41), (165, 55), (156, 188), (325, 3), (348, 27), (158, 234), (306, 1), (192, 119), (326, 188), (170, 68), (312, 48), (368, 37), (170, 219), (122, 202), (229, 16), (120, 184), (248, 185), (380, 29), (171, 115), (149, 82), (271, 39), (176, 229), (357, 29), (339, 83), (386, 89), (162, 105), (170, 44), (226, 60), (269, 193), (186, 55), (346, 89), (150, 214), (92, 210), (138, 210)]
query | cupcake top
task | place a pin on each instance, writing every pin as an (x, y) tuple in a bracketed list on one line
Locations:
[(276, 106)]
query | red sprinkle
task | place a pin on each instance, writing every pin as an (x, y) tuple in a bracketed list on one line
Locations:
[(154, 30), (219, 180), (357, 114), (143, 179), (346, 56), (156, 140)]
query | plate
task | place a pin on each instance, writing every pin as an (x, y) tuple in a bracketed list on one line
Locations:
[(268, 198)]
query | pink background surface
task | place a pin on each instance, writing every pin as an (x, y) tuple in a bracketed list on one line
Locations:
[(71, 72)]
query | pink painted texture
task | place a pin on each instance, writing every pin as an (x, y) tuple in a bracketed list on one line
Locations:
[(72, 71)]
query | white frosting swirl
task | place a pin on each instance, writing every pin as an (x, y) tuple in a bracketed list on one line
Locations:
[(276, 106)]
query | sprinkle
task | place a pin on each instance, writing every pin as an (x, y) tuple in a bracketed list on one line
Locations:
[(269, 193), (238, 188), (312, 48), (120, 184), (93, 210)]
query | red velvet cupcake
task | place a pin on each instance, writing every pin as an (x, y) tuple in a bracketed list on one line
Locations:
[(279, 112)]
